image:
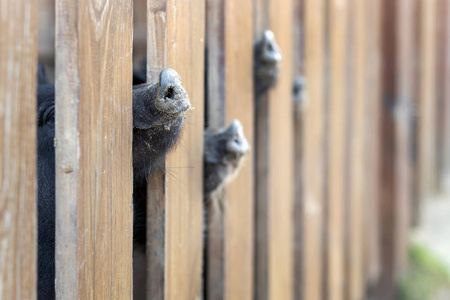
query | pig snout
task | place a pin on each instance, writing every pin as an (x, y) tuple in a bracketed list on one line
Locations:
[(172, 97)]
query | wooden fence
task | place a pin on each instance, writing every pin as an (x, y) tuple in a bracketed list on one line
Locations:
[(324, 202)]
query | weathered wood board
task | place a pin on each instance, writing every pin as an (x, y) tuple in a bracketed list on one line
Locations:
[(18, 234), (184, 184), (93, 150)]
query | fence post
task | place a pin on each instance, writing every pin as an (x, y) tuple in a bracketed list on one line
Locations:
[(18, 57), (93, 149)]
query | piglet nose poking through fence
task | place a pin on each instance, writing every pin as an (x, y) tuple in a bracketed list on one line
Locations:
[(159, 103), (159, 110), (172, 97)]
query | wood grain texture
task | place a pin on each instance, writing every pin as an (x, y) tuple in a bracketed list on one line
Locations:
[(281, 158), (336, 176), (156, 184), (239, 217), (185, 54), (93, 150), (313, 146), (357, 160), (155, 249), (18, 57)]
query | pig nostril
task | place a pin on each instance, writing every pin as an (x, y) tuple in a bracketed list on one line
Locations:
[(237, 139), (170, 93)]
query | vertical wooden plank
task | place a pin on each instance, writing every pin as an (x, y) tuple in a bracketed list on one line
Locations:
[(336, 179), (156, 185), (281, 188), (261, 147), (239, 214), (185, 53), (441, 102), (230, 95), (313, 146), (18, 57), (93, 150), (397, 74), (357, 159), (416, 201), (155, 248), (427, 99), (446, 124), (240, 193), (387, 147), (389, 63), (372, 140), (300, 103), (273, 162), (402, 114)]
